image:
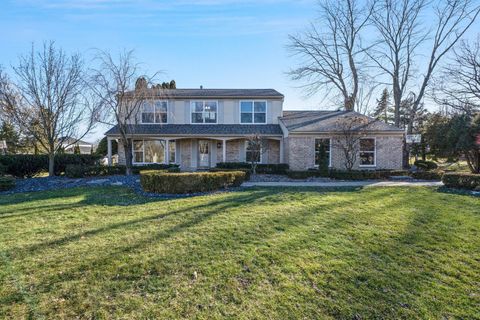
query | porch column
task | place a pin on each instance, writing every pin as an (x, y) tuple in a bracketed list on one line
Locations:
[(281, 150), (224, 150), (109, 148), (167, 151)]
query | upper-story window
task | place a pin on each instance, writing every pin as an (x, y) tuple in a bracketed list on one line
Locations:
[(155, 112), (204, 111), (253, 111)]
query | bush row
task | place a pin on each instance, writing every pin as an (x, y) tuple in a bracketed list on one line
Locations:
[(427, 175), (176, 183), (280, 168), (468, 181), (78, 171), (347, 175), (247, 172), (28, 165), (6, 183)]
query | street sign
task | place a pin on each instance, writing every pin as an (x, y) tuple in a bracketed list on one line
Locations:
[(413, 138)]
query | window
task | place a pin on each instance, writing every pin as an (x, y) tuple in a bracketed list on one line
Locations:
[(154, 112), (152, 151), (204, 111), (172, 146), (322, 152), (253, 152), (367, 152), (253, 111)]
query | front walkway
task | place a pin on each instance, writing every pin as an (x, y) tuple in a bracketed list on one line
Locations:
[(335, 184)]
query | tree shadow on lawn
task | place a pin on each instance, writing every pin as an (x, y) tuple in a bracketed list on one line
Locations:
[(269, 229), (375, 266)]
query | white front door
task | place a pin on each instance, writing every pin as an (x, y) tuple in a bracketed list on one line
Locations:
[(203, 153)]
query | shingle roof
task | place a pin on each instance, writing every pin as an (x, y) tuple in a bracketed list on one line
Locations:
[(328, 121), (200, 129), (213, 93)]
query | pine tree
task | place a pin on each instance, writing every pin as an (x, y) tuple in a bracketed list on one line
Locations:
[(383, 111), (9, 133), (76, 149), (173, 84)]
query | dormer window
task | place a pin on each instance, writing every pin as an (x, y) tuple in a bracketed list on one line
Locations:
[(204, 111), (155, 112), (253, 111)]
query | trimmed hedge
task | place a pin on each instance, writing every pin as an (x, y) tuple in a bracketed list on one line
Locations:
[(366, 174), (178, 183), (7, 183), (348, 175), (426, 165), (427, 175), (280, 168), (78, 171), (248, 173), (28, 165), (468, 181), (305, 174)]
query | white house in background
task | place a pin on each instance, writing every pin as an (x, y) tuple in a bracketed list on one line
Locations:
[(69, 144), (197, 128)]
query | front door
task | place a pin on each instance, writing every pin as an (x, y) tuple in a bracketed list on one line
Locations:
[(203, 153)]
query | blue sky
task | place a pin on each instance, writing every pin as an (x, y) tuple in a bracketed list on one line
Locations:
[(214, 43)]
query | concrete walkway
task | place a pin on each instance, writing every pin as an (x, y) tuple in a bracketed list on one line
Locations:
[(335, 184)]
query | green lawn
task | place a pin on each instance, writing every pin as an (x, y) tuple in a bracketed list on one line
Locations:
[(262, 253)]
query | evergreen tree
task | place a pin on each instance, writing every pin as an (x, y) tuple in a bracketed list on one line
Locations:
[(384, 111), (173, 84), (9, 133), (102, 148), (76, 149)]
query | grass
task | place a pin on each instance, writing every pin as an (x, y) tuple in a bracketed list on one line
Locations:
[(261, 253)]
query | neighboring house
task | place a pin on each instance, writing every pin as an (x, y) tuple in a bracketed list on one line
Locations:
[(197, 128), (69, 144)]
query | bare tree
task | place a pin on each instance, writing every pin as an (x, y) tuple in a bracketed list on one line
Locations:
[(50, 92), (350, 130), (257, 146), (120, 92), (330, 52), (459, 87), (403, 35)]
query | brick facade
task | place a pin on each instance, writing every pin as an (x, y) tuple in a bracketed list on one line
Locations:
[(301, 152)]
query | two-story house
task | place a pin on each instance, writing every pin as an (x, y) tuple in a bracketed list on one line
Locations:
[(197, 128)]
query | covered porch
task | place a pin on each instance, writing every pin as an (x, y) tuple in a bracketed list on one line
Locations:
[(196, 153)]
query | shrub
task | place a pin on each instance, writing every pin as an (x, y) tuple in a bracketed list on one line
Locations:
[(78, 171), (28, 165), (280, 168), (3, 169), (177, 183), (304, 174), (247, 171), (366, 174), (170, 167), (347, 175), (468, 181), (7, 183), (426, 165), (427, 175)]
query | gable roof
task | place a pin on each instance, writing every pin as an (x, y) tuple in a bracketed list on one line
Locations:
[(328, 121), (200, 129), (70, 140), (213, 93)]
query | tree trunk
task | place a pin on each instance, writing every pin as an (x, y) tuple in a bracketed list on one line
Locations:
[(127, 147), (51, 163)]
